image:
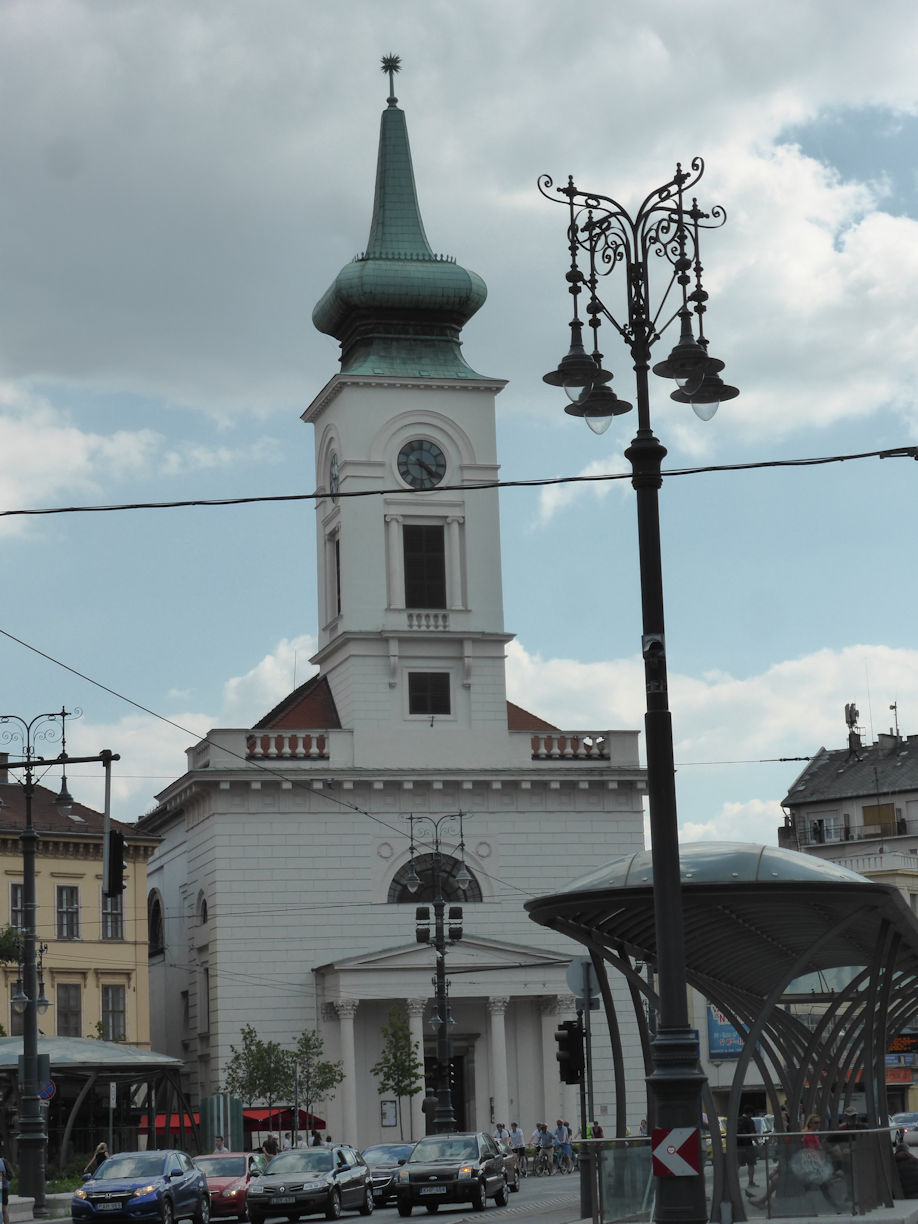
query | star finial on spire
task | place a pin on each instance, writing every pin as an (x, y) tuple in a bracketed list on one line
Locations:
[(392, 64)]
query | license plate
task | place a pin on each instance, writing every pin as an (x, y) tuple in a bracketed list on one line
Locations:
[(281, 1199), (108, 1206), (433, 1190)]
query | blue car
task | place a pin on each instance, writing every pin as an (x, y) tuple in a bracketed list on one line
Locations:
[(143, 1186)]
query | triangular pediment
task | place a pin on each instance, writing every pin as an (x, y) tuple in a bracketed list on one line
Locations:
[(472, 952)]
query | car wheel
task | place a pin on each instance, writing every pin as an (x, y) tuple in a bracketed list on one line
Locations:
[(404, 1209), (333, 1210), (369, 1203), (166, 1214), (202, 1214), (479, 1198), (500, 1198)]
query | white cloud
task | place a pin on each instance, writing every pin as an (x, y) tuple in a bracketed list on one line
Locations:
[(247, 698)]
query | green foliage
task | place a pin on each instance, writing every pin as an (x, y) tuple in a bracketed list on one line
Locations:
[(99, 1034), (259, 1070), (317, 1077), (10, 945), (399, 1069)]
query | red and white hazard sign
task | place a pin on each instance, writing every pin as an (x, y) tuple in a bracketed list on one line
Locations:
[(676, 1152)]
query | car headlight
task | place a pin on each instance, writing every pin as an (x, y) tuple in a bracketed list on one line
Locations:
[(80, 1194), (255, 1187), (467, 1171), (402, 1174), (314, 1185), (142, 1190)]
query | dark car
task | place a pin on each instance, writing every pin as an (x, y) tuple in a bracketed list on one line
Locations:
[(228, 1176), (311, 1181), (384, 1161), (155, 1185), (459, 1168)]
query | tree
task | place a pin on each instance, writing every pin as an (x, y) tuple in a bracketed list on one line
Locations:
[(399, 1068), (317, 1077), (259, 1070)]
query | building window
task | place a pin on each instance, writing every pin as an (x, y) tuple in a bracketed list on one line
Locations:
[(879, 819), (17, 913), (69, 1010), (428, 693), (155, 929), (425, 866), (113, 1018), (203, 913), (68, 911), (204, 1001), (113, 917), (425, 565)]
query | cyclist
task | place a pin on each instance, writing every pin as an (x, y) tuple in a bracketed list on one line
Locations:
[(543, 1143), (561, 1139), (518, 1146)]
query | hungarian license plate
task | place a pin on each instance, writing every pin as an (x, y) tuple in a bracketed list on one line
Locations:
[(433, 1190), (108, 1206), (279, 1200)]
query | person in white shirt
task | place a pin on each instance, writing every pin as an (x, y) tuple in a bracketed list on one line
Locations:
[(518, 1147)]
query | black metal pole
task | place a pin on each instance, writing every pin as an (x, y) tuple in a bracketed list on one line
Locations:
[(444, 1118), (676, 1079), (32, 1139)]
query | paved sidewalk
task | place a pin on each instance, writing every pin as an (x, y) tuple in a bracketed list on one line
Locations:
[(21, 1208)]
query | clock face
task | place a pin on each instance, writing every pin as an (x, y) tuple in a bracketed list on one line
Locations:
[(421, 464), (333, 477)]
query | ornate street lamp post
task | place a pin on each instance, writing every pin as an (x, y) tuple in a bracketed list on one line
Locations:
[(444, 1116), (29, 999), (603, 236)]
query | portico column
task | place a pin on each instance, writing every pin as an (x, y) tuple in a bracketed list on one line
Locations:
[(497, 1008), (347, 1010), (416, 1034)]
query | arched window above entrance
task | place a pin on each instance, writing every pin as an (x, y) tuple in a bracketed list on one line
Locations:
[(424, 865)]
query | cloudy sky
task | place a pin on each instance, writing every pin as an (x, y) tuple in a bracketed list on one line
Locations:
[(179, 182)]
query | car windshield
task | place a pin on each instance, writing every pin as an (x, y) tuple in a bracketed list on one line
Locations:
[(458, 1147), (132, 1164), (905, 1119), (387, 1153), (221, 1166), (306, 1160)]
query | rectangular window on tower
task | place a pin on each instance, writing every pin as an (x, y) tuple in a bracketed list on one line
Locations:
[(425, 565), (428, 693)]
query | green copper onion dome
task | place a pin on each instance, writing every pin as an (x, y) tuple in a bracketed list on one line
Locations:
[(398, 308)]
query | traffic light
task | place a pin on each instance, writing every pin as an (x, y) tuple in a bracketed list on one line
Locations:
[(455, 919), (570, 1051), (422, 917), (113, 865)]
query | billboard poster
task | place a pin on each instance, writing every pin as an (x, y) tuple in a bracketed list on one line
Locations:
[(723, 1039)]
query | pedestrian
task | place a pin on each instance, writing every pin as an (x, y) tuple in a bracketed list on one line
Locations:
[(5, 1175), (500, 1132), (329, 1142), (269, 1149), (596, 1131), (286, 1143), (642, 1129), (315, 1139), (219, 1145), (100, 1154), (745, 1144)]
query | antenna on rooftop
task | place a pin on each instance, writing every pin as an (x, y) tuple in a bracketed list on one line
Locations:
[(895, 709), (852, 714)]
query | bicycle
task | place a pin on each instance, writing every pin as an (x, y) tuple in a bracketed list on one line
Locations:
[(543, 1162), (521, 1162)]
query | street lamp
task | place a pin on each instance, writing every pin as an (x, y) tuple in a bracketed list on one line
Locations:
[(605, 236), (446, 926), (29, 997)]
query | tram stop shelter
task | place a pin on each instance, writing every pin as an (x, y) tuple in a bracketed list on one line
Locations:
[(765, 929), (78, 1091)]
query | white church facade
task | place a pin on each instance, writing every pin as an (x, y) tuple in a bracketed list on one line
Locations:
[(279, 894)]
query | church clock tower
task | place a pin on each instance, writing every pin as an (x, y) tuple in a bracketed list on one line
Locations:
[(410, 607)]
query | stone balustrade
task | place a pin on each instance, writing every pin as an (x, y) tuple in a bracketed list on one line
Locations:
[(570, 746), (287, 746)]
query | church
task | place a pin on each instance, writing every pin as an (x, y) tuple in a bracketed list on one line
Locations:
[(294, 852)]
